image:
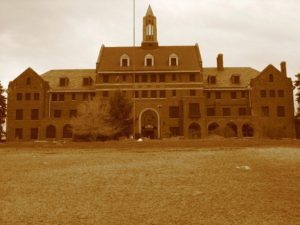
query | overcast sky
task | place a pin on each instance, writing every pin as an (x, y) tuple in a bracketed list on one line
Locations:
[(67, 34)]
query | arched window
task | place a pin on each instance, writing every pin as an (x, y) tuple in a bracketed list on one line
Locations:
[(214, 129), (194, 131), (124, 61), (173, 60), (50, 131), (230, 130), (150, 30), (67, 131), (149, 60)]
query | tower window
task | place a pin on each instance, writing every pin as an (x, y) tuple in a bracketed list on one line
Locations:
[(150, 30)]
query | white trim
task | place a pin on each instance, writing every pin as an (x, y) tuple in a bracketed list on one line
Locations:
[(173, 55), (124, 56), (148, 56), (158, 120)]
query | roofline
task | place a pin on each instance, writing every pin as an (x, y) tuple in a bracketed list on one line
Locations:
[(147, 71)]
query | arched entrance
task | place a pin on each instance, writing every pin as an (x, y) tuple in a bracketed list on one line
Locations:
[(248, 130), (194, 131), (50, 131), (230, 130), (214, 128), (149, 124)]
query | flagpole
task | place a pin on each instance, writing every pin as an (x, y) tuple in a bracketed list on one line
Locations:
[(133, 66)]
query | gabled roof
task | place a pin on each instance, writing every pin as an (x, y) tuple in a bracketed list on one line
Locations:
[(224, 76), (75, 78), (28, 72), (109, 58)]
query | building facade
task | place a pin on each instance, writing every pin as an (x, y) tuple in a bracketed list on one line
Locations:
[(172, 94)]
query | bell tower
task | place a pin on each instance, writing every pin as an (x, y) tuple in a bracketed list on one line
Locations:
[(149, 29)]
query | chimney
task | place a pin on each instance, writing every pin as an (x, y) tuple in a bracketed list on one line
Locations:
[(283, 68), (220, 66)]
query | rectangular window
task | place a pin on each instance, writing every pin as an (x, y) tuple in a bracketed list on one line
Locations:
[(124, 62), (149, 62), (137, 78), (105, 78), (281, 93), (87, 81), (54, 97), (144, 78), (61, 97), (208, 95), (226, 111), (233, 95), (211, 112), (280, 111), (243, 94), (73, 113), (105, 94), (63, 82), (174, 131), (19, 133), (265, 111), (19, 114), (235, 79), (92, 94), (85, 96), (211, 80), (153, 77), (124, 78), (73, 96), (192, 77), (242, 111), (28, 96), (136, 94), (174, 111), (19, 96), (194, 110), (263, 93), (272, 93), (162, 78), (173, 77), (173, 62), (162, 93), (218, 95), (57, 113), (153, 94), (174, 93), (144, 94), (34, 133), (192, 92), (36, 96), (34, 114)]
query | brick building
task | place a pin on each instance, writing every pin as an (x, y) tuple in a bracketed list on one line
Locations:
[(172, 93)]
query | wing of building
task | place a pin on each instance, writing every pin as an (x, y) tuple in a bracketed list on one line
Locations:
[(172, 93)]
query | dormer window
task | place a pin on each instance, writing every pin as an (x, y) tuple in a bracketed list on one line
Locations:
[(211, 79), (173, 60), (87, 81), (235, 79), (149, 60), (124, 61), (63, 82)]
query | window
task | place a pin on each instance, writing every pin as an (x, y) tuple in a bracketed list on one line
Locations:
[(136, 78), (63, 82), (174, 131), (280, 111), (28, 96), (19, 133), (271, 78), (54, 97), (19, 96), (243, 94), (34, 133), (149, 30), (173, 60), (153, 77), (226, 111), (144, 94), (272, 93), (136, 94), (153, 94), (28, 81), (208, 95), (218, 95), (162, 78), (85, 96), (242, 111), (105, 94), (263, 93), (233, 95), (192, 77), (194, 110), (92, 94), (73, 113), (174, 111), (265, 111), (281, 93), (87, 81), (123, 78), (19, 114), (124, 61), (192, 92), (105, 78), (211, 80), (61, 97), (36, 96), (57, 113), (73, 96), (162, 93), (235, 79), (34, 114), (149, 60), (50, 131), (210, 111), (144, 78), (174, 93), (173, 77)]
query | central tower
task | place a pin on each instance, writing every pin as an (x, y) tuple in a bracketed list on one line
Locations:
[(149, 29)]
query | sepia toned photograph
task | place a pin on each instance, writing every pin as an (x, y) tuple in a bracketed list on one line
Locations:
[(149, 112)]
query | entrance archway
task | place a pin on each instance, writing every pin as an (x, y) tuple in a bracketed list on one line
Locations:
[(194, 131), (248, 130), (149, 125), (230, 130), (214, 128)]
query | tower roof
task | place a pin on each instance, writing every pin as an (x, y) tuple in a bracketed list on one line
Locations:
[(149, 11)]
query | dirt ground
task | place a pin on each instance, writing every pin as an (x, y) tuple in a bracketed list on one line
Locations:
[(152, 183)]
